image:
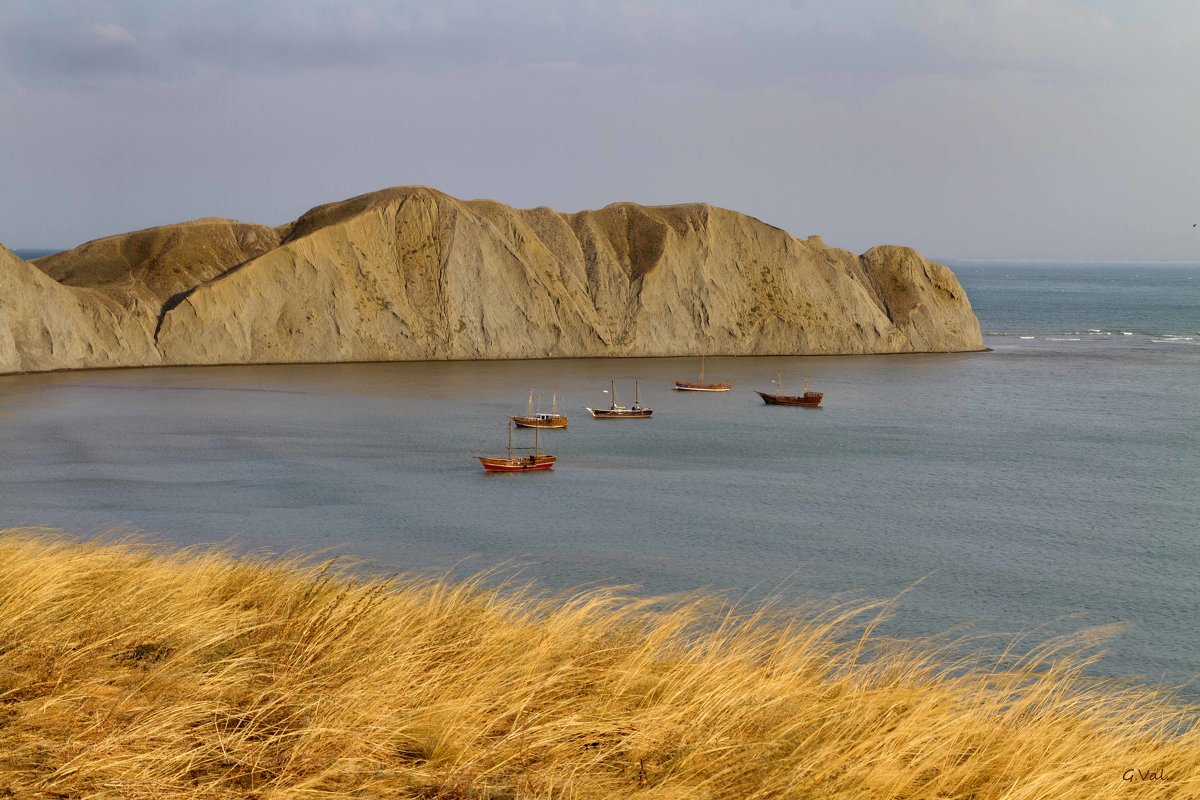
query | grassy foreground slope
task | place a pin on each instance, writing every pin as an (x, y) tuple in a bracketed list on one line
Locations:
[(140, 672)]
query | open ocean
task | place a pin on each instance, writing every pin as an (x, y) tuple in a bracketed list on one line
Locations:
[(1049, 485)]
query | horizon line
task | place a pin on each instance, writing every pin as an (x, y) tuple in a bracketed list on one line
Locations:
[(1181, 262), (939, 259)]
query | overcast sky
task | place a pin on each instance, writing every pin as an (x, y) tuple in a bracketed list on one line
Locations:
[(1054, 129)]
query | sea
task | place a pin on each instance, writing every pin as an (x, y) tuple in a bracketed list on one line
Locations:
[(1048, 486)]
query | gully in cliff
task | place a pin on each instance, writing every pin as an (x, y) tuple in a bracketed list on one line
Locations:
[(809, 399), (615, 411), (508, 463)]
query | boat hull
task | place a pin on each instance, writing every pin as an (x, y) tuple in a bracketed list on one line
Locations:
[(620, 413), (806, 400), (684, 386), (536, 422), (526, 464)]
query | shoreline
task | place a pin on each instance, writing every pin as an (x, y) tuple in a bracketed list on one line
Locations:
[(485, 361)]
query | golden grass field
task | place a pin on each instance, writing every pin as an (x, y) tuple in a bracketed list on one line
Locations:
[(129, 670)]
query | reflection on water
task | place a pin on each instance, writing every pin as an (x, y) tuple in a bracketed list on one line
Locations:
[(1010, 481)]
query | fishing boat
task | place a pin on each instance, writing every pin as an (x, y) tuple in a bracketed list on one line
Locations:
[(684, 386), (615, 411), (514, 463), (541, 419), (809, 399)]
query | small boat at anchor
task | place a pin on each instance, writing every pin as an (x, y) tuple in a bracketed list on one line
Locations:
[(701, 386), (541, 419), (615, 411), (809, 399), (514, 463)]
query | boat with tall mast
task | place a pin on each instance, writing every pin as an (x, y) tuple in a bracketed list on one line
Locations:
[(615, 411), (701, 386), (809, 399), (509, 462), (541, 419)]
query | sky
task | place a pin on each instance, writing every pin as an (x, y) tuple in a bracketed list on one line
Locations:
[(1008, 129)]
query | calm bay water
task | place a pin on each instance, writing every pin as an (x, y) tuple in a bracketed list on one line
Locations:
[(1050, 484)]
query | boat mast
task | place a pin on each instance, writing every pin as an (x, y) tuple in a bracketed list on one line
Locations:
[(554, 405), (612, 385), (510, 426), (637, 398), (779, 381), (702, 369), (529, 408)]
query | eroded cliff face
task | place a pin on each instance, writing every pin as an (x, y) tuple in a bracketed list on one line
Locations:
[(46, 326), (411, 273)]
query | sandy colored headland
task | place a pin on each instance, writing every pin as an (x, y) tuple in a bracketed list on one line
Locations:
[(131, 671), (410, 273)]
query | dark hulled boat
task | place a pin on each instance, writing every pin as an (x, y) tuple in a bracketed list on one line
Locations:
[(809, 399), (615, 411)]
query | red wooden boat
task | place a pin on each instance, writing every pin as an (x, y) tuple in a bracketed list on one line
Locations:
[(513, 463), (809, 399), (684, 386), (523, 464)]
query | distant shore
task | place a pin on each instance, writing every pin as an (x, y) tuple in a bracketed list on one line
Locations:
[(412, 274), (134, 670)]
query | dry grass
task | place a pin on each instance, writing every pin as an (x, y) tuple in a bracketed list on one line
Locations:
[(138, 672)]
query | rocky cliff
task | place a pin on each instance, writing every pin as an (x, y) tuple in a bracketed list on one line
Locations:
[(411, 273), (45, 325)]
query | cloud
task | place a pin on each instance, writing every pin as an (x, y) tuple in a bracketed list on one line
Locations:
[(757, 43), (112, 34), (944, 124)]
